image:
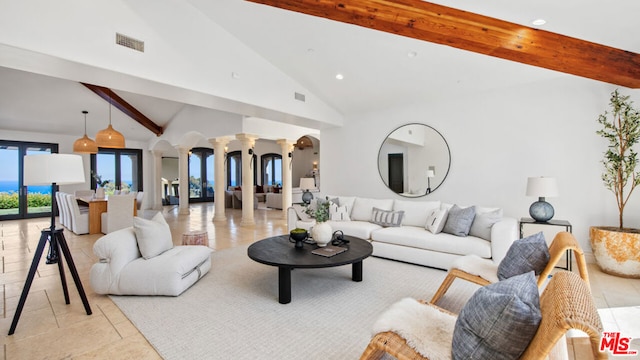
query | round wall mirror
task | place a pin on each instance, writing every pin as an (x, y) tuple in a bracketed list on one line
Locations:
[(414, 160)]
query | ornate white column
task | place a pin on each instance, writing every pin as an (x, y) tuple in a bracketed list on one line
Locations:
[(156, 193), (248, 142), (287, 150), (220, 174), (183, 178)]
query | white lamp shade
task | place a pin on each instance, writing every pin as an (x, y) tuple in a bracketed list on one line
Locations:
[(45, 169), (542, 187), (307, 183)]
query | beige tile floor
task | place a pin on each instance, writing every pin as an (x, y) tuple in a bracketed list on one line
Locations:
[(49, 329)]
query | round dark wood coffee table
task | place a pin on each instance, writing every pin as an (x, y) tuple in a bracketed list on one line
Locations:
[(279, 251)]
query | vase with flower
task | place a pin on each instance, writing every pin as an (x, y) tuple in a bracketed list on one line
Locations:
[(100, 184), (321, 231)]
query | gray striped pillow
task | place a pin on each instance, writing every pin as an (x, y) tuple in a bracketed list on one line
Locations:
[(386, 218)]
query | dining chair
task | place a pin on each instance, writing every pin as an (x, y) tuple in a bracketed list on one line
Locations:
[(484, 271), (61, 211), (79, 219), (119, 214)]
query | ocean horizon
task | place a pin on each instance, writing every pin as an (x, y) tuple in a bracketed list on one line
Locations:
[(10, 186)]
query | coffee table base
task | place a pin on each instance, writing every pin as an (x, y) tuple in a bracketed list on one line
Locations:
[(284, 280)]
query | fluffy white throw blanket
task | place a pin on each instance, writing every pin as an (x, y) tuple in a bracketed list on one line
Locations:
[(425, 328), (475, 265)]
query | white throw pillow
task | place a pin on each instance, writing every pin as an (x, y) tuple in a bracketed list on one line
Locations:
[(436, 220), (338, 213), (153, 236)]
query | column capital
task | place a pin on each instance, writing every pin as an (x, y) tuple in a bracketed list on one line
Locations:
[(247, 138), (182, 149), (220, 141)]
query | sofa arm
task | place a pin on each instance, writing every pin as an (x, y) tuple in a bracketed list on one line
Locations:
[(114, 252), (503, 234)]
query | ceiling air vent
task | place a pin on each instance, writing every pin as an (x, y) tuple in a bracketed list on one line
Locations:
[(299, 96), (129, 42)]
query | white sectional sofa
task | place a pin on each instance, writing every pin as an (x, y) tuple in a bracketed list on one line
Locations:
[(490, 237)]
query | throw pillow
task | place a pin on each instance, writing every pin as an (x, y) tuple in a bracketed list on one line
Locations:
[(499, 320), (524, 255), (436, 220), (386, 218), (483, 222), (459, 220), (338, 213), (153, 236)]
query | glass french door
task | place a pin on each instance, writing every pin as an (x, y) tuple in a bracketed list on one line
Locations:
[(117, 170), (201, 178), (18, 201)]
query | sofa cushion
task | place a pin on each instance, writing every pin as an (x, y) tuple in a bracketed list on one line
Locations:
[(420, 238), (436, 220), (363, 207), (415, 212), (153, 236), (499, 320), (344, 200), (360, 229), (483, 222), (386, 217), (459, 220), (524, 255)]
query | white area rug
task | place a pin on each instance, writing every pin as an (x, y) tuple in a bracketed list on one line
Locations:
[(233, 312)]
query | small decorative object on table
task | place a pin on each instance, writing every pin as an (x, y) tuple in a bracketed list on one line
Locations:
[(298, 235), (195, 238), (321, 231)]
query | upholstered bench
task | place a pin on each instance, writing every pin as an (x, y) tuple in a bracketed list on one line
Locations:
[(141, 260)]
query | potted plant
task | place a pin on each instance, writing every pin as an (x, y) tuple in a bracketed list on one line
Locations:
[(617, 249), (321, 231), (100, 185)]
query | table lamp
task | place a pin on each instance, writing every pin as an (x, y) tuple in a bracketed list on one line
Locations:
[(430, 173), (307, 184), (541, 187), (53, 169)]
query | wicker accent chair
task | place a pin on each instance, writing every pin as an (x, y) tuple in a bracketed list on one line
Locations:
[(566, 303), (484, 272)]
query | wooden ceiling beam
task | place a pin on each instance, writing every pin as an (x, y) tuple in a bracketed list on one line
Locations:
[(115, 100), (478, 33)]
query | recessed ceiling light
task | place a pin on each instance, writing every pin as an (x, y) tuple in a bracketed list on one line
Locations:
[(339, 76), (412, 54), (538, 22)]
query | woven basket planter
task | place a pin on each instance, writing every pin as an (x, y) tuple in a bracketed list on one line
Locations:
[(617, 252)]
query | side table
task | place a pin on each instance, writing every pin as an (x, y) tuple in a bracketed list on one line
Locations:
[(528, 226)]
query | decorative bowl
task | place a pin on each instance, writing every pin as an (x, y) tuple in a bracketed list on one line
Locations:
[(298, 234)]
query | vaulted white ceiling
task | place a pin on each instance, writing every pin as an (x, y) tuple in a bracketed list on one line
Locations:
[(380, 70)]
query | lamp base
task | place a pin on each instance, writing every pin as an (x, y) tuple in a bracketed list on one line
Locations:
[(541, 211), (307, 197)]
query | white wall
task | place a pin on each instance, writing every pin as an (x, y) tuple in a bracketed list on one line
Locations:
[(497, 140)]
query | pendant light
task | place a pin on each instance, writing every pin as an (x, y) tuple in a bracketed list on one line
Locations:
[(109, 137), (85, 145)]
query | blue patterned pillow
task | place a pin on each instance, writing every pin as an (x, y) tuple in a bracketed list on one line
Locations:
[(499, 320), (524, 255)]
